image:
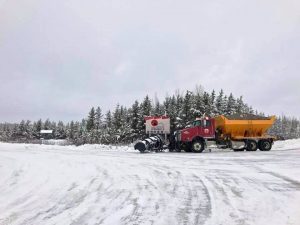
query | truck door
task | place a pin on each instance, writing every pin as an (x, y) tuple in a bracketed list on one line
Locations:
[(208, 129)]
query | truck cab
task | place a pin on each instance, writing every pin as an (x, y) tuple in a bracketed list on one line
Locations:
[(200, 129)]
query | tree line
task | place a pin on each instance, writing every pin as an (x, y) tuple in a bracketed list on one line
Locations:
[(126, 125)]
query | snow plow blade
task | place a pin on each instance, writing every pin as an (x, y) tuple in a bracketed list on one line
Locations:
[(154, 143)]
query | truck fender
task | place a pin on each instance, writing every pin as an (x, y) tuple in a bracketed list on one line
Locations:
[(198, 138)]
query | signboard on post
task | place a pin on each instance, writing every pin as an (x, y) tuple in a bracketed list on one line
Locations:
[(157, 124)]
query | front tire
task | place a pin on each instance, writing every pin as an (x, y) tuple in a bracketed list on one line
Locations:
[(197, 146)]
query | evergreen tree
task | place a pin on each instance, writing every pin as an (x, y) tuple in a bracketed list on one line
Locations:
[(219, 103), (60, 132), (90, 125), (213, 108), (185, 112), (21, 128), (207, 104), (239, 105), (98, 118), (224, 105), (108, 120), (47, 125), (146, 106), (231, 105), (134, 120), (71, 131), (37, 127), (198, 107), (116, 122)]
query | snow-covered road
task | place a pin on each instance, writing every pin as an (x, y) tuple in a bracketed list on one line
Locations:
[(69, 185)]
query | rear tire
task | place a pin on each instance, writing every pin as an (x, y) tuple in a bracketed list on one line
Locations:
[(264, 145), (197, 146), (251, 145)]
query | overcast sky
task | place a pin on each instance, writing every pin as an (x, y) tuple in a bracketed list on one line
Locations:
[(59, 58)]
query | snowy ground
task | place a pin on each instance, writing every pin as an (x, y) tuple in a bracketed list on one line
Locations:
[(106, 185)]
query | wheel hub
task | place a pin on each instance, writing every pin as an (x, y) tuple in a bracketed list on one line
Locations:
[(266, 145), (197, 146)]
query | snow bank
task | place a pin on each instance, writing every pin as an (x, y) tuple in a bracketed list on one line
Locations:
[(87, 147), (287, 144)]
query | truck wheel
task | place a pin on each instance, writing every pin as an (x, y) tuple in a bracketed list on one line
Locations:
[(251, 145), (264, 145), (197, 146)]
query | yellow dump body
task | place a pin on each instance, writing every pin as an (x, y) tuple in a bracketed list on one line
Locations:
[(242, 128)]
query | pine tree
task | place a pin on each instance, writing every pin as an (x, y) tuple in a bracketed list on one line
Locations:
[(239, 105), (224, 105), (91, 120), (219, 103), (37, 127), (116, 122), (213, 109), (198, 108), (185, 112), (207, 104), (47, 125), (145, 110), (231, 105), (71, 131), (134, 122), (293, 128), (98, 118), (21, 128), (146, 106), (60, 132), (108, 120)]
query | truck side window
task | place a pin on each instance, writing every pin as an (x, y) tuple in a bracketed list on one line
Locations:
[(207, 123)]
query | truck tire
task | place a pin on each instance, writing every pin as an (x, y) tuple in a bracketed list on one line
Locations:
[(197, 146), (251, 145), (264, 145)]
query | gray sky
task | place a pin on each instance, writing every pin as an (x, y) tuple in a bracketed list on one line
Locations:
[(59, 58)]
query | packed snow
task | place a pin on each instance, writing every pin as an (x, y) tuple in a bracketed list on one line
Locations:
[(94, 184)]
